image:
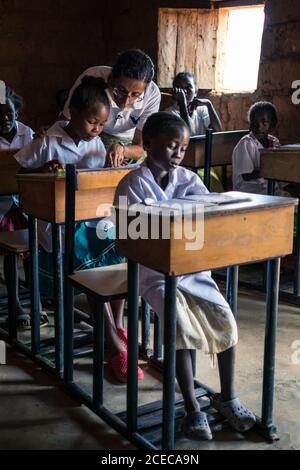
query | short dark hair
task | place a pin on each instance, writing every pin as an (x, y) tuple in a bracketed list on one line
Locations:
[(263, 106), (61, 97), (184, 76), (160, 123), (17, 100), (90, 90), (134, 64)]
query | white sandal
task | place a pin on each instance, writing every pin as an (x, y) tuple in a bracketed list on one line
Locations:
[(195, 426), (238, 416)]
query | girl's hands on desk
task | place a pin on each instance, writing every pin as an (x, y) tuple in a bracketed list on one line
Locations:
[(115, 155), (54, 166)]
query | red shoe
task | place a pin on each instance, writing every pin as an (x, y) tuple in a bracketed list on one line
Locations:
[(123, 337), (118, 365)]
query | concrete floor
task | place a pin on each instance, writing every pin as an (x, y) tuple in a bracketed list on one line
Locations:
[(35, 412)]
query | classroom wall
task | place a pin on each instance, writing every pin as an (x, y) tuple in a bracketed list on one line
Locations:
[(45, 44), (280, 63)]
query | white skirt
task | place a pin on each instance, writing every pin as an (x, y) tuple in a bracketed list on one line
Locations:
[(204, 325)]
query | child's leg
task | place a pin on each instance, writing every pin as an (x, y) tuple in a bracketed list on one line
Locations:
[(6, 268), (26, 270), (194, 424), (226, 361), (114, 344), (117, 308), (238, 416), (185, 378)]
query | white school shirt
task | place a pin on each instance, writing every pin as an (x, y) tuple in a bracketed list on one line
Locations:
[(23, 136), (122, 123), (139, 185), (58, 145), (199, 120), (246, 159)]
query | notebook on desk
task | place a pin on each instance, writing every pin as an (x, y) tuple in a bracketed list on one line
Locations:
[(288, 147), (206, 200), (109, 168), (215, 198)]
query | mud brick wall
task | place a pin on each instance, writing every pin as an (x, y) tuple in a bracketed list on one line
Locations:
[(45, 44)]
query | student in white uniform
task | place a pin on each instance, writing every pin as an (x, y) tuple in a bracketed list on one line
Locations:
[(77, 141), (262, 117), (14, 135), (133, 98), (204, 319), (199, 114)]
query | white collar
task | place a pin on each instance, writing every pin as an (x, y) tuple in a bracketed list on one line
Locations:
[(147, 173), (20, 130)]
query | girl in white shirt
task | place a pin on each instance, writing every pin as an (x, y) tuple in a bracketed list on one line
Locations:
[(246, 157), (199, 114), (204, 318), (14, 135), (77, 141), (133, 98)]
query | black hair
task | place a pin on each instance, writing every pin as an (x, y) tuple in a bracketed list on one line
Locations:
[(11, 95), (134, 64), (184, 76), (263, 106), (61, 97), (90, 90), (160, 123)]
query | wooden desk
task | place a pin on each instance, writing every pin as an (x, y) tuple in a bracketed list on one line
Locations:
[(284, 165), (237, 233), (241, 239), (42, 196), (223, 144), (9, 167), (212, 149), (281, 165)]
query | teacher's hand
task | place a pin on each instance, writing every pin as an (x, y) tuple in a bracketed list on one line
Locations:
[(115, 155)]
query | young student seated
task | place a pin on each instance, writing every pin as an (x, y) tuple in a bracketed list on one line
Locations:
[(263, 119), (204, 318), (199, 114), (14, 135), (77, 141)]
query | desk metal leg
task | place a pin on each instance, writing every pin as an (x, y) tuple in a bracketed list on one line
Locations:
[(34, 286), (169, 363), (68, 332), (271, 187), (232, 281), (224, 177), (297, 251), (98, 359), (268, 428), (58, 296), (133, 316), (11, 296), (145, 346), (207, 158)]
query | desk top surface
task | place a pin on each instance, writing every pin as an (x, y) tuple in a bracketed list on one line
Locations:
[(256, 202)]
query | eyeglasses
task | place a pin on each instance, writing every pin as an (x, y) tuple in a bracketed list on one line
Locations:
[(122, 95)]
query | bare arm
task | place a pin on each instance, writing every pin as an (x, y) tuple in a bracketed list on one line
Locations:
[(117, 152), (215, 122)]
